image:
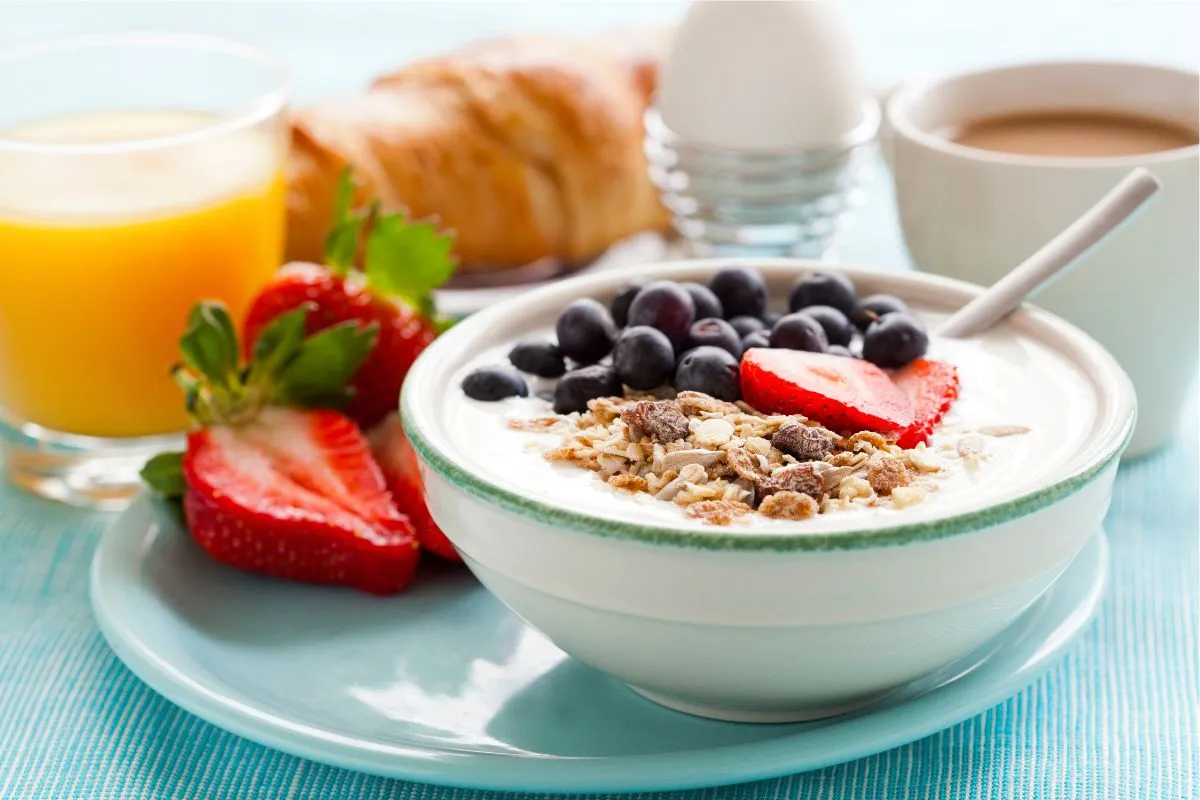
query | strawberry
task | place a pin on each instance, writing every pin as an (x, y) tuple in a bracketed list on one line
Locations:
[(402, 471), (932, 387), (844, 394), (402, 264), (268, 486)]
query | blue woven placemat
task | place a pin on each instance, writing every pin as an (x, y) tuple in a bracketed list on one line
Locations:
[(1116, 719)]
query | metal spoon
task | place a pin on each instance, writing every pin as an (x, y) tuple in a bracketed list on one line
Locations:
[(1055, 257)]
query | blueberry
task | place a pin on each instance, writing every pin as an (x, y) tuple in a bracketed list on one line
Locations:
[(824, 289), (493, 383), (622, 299), (771, 319), (838, 329), (539, 357), (664, 305), (747, 325), (742, 292), (871, 308), (799, 332), (706, 303), (586, 331), (715, 333), (839, 350), (894, 340), (644, 357), (756, 339), (710, 370), (586, 383)]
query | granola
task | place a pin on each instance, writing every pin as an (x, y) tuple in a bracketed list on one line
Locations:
[(725, 461)]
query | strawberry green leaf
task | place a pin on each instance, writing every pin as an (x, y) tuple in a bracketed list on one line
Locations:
[(209, 345), (341, 243), (319, 374), (408, 260), (278, 345), (164, 474)]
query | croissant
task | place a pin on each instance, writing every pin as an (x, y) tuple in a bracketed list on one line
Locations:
[(526, 147)]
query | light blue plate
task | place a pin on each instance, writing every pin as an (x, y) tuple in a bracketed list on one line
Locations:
[(443, 685)]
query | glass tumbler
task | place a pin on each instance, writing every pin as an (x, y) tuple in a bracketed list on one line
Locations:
[(139, 174)]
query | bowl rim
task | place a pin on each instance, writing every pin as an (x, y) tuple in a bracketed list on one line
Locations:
[(1078, 471)]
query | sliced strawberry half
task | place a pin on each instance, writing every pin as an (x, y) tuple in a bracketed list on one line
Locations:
[(932, 387), (402, 470), (844, 394), (296, 495), (272, 481)]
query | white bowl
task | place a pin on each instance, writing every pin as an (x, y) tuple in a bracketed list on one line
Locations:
[(766, 624)]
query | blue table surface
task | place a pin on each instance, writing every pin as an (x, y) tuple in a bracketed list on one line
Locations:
[(1116, 718)]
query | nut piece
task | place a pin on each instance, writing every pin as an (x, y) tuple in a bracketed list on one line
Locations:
[(745, 465), (712, 432), (788, 505), (853, 488), (661, 420), (801, 478), (717, 512), (867, 441), (905, 496), (886, 472), (803, 442)]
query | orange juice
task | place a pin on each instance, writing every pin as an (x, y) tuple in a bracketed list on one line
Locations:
[(103, 255)]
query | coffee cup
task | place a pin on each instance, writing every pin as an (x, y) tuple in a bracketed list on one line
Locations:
[(974, 213)]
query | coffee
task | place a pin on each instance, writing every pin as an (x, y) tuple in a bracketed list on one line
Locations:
[(1082, 134)]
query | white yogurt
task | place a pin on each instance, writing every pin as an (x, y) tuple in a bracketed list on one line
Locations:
[(1008, 379)]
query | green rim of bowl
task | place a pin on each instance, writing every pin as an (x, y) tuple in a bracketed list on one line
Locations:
[(892, 536)]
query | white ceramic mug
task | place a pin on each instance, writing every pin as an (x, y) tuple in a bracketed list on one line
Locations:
[(974, 214)]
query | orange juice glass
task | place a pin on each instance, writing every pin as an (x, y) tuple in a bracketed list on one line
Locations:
[(139, 174)]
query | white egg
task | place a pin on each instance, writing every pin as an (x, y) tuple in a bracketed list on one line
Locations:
[(762, 76)]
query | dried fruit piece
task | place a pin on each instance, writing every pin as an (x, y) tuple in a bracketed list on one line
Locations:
[(886, 472), (802, 478), (804, 442), (661, 420)]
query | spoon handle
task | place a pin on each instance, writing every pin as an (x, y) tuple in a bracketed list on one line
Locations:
[(1054, 257)]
